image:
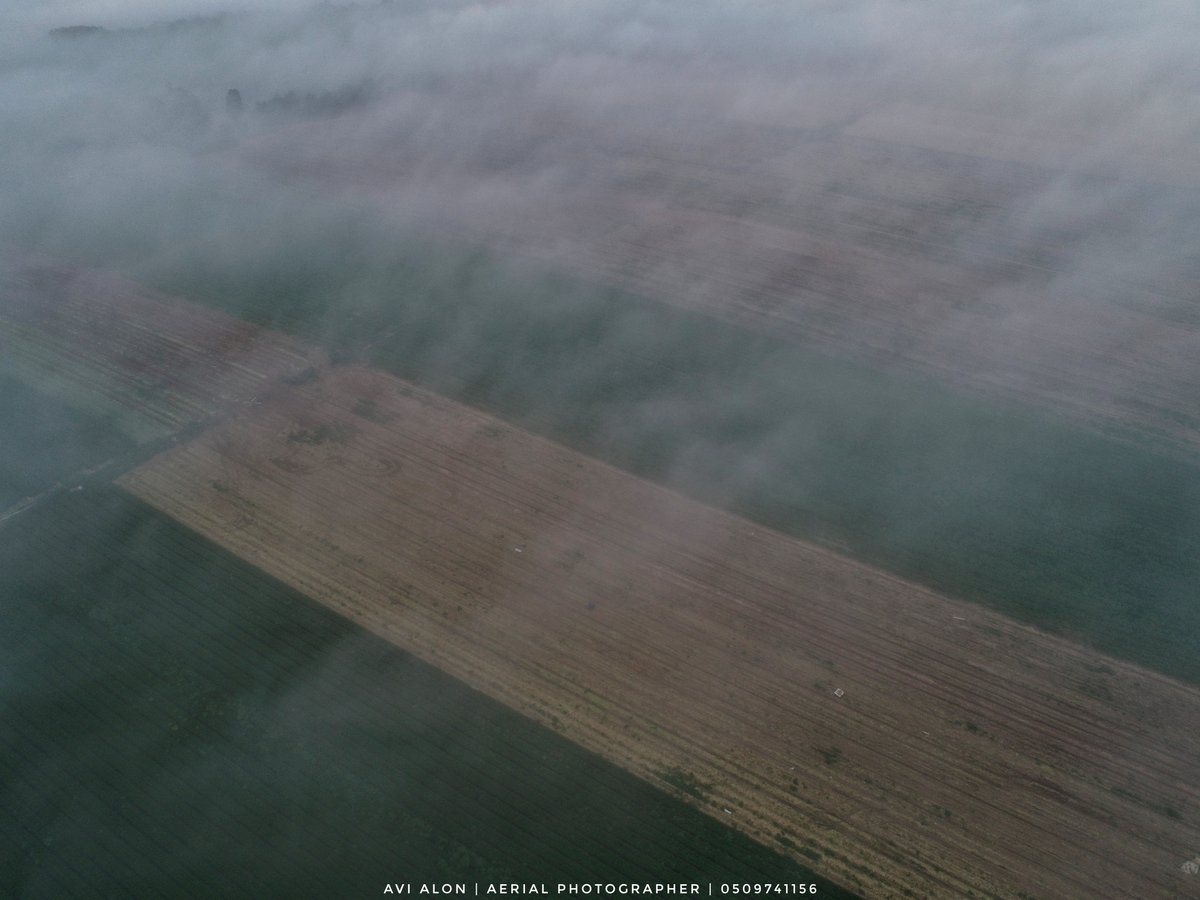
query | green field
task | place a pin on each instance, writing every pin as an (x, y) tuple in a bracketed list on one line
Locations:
[(46, 440), (178, 724), (1090, 535)]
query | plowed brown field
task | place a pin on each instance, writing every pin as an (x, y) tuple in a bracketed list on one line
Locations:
[(155, 363), (912, 238), (895, 739)]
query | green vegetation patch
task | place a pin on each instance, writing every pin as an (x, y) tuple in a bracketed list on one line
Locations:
[(829, 755), (45, 441), (686, 782)]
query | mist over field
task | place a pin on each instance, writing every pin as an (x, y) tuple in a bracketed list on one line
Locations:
[(916, 281), (470, 109), (999, 197), (120, 140)]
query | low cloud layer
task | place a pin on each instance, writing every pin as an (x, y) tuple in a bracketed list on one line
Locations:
[(999, 198)]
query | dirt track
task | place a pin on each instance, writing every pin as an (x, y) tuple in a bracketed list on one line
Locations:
[(965, 752)]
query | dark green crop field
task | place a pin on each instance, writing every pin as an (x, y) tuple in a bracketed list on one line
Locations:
[(1091, 535), (177, 724), (45, 440)]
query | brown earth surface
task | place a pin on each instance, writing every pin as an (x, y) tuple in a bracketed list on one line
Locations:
[(155, 363), (900, 742)]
